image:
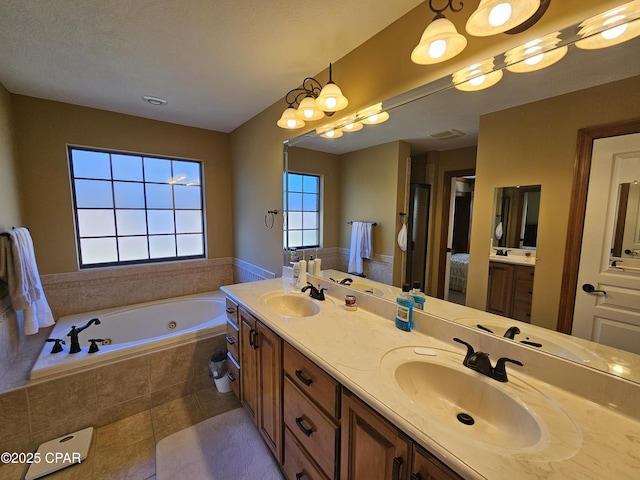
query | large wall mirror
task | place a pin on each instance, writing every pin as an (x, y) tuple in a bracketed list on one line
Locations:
[(435, 134)]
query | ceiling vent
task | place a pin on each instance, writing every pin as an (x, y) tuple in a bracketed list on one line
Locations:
[(447, 134)]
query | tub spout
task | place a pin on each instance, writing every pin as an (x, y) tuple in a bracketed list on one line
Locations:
[(75, 345)]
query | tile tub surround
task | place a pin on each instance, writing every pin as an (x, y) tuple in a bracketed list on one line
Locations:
[(350, 346), (95, 397), (126, 448)]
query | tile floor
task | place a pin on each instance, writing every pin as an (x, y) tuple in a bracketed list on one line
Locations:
[(126, 449)]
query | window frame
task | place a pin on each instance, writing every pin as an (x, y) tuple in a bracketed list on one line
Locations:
[(319, 210), (114, 208)]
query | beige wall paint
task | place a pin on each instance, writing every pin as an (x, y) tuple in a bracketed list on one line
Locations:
[(536, 144), (377, 70), (9, 193), (43, 130)]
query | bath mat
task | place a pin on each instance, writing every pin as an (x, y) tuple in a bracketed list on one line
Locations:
[(224, 447)]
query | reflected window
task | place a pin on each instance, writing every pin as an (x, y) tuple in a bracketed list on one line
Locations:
[(132, 208), (302, 192)]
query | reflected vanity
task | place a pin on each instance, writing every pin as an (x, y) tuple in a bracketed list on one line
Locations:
[(518, 209)]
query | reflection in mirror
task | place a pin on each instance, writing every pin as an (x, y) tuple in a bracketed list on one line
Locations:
[(626, 240), (448, 130), (515, 212)]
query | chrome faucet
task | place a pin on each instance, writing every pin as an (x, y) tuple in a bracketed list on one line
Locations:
[(75, 345), (480, 362), (314, 292)]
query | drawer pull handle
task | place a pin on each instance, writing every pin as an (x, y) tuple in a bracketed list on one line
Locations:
[(255, 340), (230, 340), (301, 476), (397, 464), (231, 377), (305, 430), (303, 379), (230, 310)]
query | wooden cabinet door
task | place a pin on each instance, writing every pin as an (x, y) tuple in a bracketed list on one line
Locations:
[(371, 447), (499, 292), (426, 467), (268, 347), (248, 364)]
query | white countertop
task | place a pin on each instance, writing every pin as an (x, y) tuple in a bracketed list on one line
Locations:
[(516, 259), (597, 442)]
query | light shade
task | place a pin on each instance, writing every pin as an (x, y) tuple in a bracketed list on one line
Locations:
[(497, 16), (289, 120), (477, 77), (350, 124), (331, 98), (439, 42), (332, 133), (536, 54), (307, 110), (373, 115), (611, 27)]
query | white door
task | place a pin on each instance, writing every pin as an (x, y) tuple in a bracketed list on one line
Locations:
[(610, 314), (452, 214)]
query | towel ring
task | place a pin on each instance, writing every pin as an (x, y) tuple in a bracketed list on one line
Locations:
[(403, 218), (273, 214)]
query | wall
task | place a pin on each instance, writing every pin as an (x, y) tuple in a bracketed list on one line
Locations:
[(43, 130), (9, 193), (377, 70), (511, 152)]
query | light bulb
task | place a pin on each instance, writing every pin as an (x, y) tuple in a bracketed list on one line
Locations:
[(477, 81), (437, 48), (614, 32), (500, 14), (291, 123), (331, 102), (536, 59)]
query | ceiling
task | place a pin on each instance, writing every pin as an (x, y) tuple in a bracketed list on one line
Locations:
[(217, 63)]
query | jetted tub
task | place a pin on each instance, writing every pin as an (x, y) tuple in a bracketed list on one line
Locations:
[(133, 329)]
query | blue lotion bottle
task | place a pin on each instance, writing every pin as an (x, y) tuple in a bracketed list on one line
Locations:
[(404, 311)]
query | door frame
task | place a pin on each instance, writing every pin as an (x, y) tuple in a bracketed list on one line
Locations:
[(444, 226), (577, 210)]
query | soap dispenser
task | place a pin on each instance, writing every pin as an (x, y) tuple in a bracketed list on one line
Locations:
[(404, 310)]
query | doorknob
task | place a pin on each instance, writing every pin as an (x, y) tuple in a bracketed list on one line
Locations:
[(587, 287)]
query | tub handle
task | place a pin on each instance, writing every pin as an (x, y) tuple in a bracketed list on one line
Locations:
[(230, 340)]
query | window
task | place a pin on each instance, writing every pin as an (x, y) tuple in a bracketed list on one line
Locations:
[(132, 208), (303, 216)]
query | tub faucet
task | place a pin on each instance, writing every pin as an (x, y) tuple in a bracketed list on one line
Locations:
[(75, 345), (479, 361)]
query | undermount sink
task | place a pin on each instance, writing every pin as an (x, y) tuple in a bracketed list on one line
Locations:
[(506, 418), (290, 304)]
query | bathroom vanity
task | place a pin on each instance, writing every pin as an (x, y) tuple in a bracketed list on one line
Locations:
[(344, 394)]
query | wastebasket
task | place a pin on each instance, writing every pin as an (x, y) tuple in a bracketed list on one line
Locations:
[(218, 371)]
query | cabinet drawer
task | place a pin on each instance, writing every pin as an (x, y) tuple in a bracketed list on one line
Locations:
[(296, 464), (233, 373), (317, 434), (233, 340), (312, 380), (231, 308), (524, 272)]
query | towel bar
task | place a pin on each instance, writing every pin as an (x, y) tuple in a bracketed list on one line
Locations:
[(373, 224)]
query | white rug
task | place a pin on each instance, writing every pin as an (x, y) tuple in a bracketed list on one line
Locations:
[(224, 447)]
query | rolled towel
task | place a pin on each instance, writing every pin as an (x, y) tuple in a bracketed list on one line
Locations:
[(402, 238), (499, 231)]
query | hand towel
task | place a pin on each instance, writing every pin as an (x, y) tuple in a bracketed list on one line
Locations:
[(402, 238), (499, 231), (361, 246), (19, 270)]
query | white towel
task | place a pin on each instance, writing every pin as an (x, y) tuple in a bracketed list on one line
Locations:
[(361, 246), (19, 270), (499, 231), (402, 238)]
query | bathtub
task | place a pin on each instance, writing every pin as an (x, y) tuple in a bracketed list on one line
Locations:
[(133, 330)]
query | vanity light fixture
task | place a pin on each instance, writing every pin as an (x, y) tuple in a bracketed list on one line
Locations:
[(350, 124), (332, 133), (311, 101), (536, 54), (373, 115), (440, 41), (610, 28), (498, 16), (477, 77)]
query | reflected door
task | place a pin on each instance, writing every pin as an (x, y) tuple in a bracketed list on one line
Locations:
[(607, 307), (418, 234)]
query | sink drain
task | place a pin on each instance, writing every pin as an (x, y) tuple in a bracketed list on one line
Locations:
[(171, 325), (465, 418)]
